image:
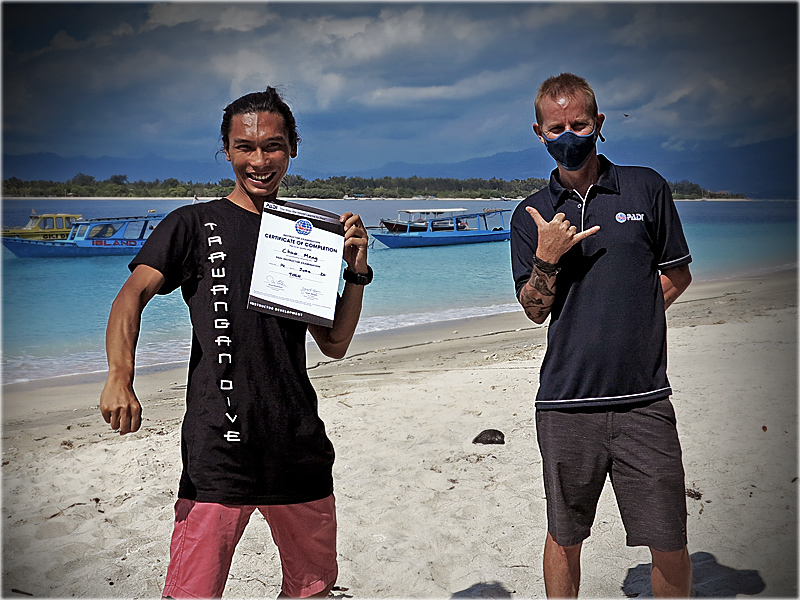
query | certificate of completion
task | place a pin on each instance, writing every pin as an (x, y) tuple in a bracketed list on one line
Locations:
[(298, 263)]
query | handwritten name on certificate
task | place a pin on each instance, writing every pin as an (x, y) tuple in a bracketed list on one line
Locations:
[(298, 263)]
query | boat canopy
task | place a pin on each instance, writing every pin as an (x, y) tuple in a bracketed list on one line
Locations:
[(433, 211), (49, 221)]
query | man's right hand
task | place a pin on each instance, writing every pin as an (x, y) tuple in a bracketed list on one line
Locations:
[(556, 237), (118, 403), (120, 408)]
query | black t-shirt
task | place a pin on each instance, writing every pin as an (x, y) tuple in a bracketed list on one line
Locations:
[(606, 342), (251, 433)]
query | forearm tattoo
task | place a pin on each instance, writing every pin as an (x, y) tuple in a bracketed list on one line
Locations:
[(543, 283), (539, 300)]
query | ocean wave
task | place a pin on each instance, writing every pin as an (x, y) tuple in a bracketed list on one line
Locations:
[(752, 272), (385, 323), (26, 367)]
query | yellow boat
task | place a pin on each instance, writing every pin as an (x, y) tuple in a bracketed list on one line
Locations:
[(47, 226)]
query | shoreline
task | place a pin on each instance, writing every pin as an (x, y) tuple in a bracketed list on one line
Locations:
[(407, 338), (99, 374), (376, 339)]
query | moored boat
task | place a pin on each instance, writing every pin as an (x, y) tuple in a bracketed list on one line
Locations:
[(91, 237), (47, 226), (416, 219), (455, 229)]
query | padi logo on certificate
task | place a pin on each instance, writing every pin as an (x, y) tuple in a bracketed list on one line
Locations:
[(303, 226)]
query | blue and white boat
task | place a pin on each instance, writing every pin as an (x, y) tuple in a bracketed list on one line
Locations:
[(91, 237), (487, 226), (416, 219)]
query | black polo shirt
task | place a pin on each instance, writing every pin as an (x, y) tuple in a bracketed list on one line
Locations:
[(606, 342)]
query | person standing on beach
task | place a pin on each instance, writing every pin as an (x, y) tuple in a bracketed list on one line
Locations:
[(602, 252), (251, 436)]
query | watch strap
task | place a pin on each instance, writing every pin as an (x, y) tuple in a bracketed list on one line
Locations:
[(358, 278)]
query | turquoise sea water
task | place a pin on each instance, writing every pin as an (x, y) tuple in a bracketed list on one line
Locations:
[(55, 310)]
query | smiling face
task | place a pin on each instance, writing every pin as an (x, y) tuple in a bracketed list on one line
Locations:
[(259, 150)]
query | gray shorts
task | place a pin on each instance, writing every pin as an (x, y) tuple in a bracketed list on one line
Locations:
[(637, 447)]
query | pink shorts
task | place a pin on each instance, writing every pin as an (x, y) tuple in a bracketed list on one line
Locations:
[(206, 534)]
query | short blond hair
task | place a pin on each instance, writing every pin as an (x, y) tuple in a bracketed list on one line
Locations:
[(565, 85)]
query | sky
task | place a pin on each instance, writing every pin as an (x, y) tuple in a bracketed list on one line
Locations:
[(375, 83)]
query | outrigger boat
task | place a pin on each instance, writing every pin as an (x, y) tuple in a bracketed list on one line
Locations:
[(91, 237), (416, 219), (456, 229), (47, 226)]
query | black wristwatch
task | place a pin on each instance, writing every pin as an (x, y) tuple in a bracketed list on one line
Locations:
[(357, 278)]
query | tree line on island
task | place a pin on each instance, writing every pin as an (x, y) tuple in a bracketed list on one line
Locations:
[(296, 186)]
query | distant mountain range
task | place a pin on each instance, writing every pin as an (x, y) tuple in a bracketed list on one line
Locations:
[(764, 170), (52, 167)]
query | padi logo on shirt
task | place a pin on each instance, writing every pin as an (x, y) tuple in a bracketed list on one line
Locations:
[(303, 226), (623, 217)]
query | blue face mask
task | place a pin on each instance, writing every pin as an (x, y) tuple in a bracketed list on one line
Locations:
[(570, 149)]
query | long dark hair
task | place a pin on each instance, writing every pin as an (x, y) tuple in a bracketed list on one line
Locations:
[(267, 101)]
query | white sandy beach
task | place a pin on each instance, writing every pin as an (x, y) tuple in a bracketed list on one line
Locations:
[(423, 512)]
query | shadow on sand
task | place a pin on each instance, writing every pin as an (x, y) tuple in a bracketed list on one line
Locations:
[(709, 580), (495, 589)]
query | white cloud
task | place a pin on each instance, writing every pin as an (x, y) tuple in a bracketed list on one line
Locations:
[(393, 29), (209, 17), (674, 144), (329, 88), (62, 41), (641, 29), (492, 124), (622, 93), (486, 82), (246, 69), (327, 30), (653, 25), (574, 17)]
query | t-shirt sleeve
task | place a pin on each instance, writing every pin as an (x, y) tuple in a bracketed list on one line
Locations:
[(524, 239), (169, 251), (672, 250)]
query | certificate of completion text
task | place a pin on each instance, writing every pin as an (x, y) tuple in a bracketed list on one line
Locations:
[(298, 263)]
